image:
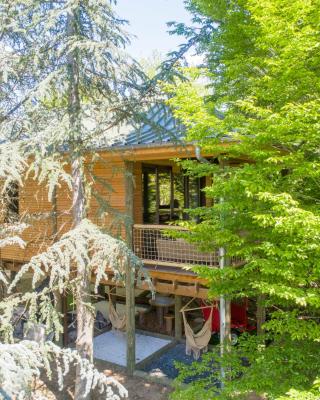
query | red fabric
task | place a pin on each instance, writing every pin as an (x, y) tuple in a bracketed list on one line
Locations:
[(239, 318)]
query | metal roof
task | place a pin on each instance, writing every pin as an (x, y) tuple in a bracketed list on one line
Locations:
[(158, 126)]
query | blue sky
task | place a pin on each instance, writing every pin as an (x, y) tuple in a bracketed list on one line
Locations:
[(148, 22)]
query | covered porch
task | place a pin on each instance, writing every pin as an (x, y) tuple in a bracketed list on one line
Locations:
[(161, 193)]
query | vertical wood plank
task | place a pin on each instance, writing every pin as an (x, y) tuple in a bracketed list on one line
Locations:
[(64, 307), (157, 196), (171, 194), (177, 317), (130, 278), (261, 314), (130, 315), (129, 193)]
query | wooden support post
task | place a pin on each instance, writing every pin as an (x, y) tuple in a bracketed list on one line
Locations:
[(129, 193), (101, 292), (130, 275), (130, 315), (261, 314), (227, 333), (177, 317), (64, 307), (59, 306), (157, 196), (171, 194)]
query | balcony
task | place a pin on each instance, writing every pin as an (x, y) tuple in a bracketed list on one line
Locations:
[(154, 246)]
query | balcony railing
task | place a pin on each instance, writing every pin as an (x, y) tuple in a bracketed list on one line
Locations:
[(155, 247)]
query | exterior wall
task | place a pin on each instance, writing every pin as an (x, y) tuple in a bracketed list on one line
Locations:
[(51, 220), (45, 225), (137, 199), (37, 211)]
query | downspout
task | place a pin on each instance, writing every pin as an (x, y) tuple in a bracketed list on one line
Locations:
[(199, 157), (225, 307), (222, 310), (222, 262)]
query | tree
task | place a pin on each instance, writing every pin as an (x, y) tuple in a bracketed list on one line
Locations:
[(262, 107), (66, 87), (21, 362)]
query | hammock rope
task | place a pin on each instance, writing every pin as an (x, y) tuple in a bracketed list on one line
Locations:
[(197, 342), (118, 322)]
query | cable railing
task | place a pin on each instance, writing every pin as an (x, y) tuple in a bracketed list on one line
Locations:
[(154, 246)]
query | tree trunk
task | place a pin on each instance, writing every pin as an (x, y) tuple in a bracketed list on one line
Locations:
[(85, 318)]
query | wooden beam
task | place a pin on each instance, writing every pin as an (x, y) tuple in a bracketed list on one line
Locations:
[(177, 317), (130, 317), (168, 275), (182, 265), (64, 307), (130, 275), (129, 193), (163, 227), (261, 314), (171, 194), (177, 276), (182, 290), (157, 196)]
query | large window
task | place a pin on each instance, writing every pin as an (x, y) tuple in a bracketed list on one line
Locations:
[(166, 194)]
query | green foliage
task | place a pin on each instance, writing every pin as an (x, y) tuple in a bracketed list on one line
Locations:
[(66, 87), (260, 119), (21, 362), (84, 245), (296, 362)]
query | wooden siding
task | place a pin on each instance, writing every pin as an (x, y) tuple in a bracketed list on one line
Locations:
[(37, 211), (110, 168)]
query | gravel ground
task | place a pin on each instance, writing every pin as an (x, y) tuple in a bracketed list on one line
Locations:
[(164, 365)]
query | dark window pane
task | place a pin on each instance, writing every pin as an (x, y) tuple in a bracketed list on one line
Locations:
[(12, 202)]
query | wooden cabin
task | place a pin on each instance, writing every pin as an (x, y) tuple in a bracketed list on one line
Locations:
[(148, 187), (157, 195)]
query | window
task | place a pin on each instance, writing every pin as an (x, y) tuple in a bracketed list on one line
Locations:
[(11, 200), (167, 193), (157, 194)]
